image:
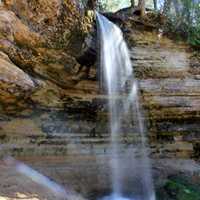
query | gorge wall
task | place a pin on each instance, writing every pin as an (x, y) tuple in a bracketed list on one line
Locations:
[(45, 111)]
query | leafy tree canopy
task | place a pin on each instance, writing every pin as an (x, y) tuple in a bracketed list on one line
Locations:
[(183, 16)]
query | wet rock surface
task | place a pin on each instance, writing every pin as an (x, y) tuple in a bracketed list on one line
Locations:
[(59, 125), (58, 106), (41, 98), (70, 172), (44, 111)]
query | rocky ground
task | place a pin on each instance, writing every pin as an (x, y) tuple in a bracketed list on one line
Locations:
[(174, 178)]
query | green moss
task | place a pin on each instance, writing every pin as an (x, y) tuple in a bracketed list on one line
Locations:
[(179, 189)]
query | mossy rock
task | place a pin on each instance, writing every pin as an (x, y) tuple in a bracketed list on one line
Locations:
[(177, 188)]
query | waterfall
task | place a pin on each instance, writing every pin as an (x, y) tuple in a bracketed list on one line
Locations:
[(128, 163)]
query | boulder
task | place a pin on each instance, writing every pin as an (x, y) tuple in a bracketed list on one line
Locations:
[(15, 84)]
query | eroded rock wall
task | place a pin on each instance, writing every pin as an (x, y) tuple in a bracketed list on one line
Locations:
[(44, 111), (170, 94)]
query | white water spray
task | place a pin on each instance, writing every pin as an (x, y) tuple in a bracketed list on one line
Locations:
[(117, 73)]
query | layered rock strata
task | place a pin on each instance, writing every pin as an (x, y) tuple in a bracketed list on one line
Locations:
[(45, 111)]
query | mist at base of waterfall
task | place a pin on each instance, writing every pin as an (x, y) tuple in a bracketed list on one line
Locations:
[(116, 197), (120, 197)]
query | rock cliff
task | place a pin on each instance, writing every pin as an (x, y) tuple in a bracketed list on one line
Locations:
[(44, 111)]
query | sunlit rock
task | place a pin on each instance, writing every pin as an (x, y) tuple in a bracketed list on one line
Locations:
[(15, 84)]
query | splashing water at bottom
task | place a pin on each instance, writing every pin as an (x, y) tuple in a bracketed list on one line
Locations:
[(119, 197), (116, 197)]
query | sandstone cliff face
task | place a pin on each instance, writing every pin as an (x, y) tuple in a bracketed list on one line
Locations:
[(15, 85), (170, 94), (43, 111), (39, 38)]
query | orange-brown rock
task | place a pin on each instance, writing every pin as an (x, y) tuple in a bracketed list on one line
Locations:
[(39, 41), (15, 84), (28, 30)]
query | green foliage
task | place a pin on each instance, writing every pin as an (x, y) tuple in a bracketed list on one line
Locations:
[(183, 190), (183, 16), (194, 36), (184, 20), (177, 188)]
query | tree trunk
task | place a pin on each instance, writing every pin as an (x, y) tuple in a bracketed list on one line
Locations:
[(167, 6), (91, 4), (132, 3), (141, 6), (155, 4), (176, 4)]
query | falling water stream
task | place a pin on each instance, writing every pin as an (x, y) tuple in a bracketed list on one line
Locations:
[(122, 89), (130, 165)]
